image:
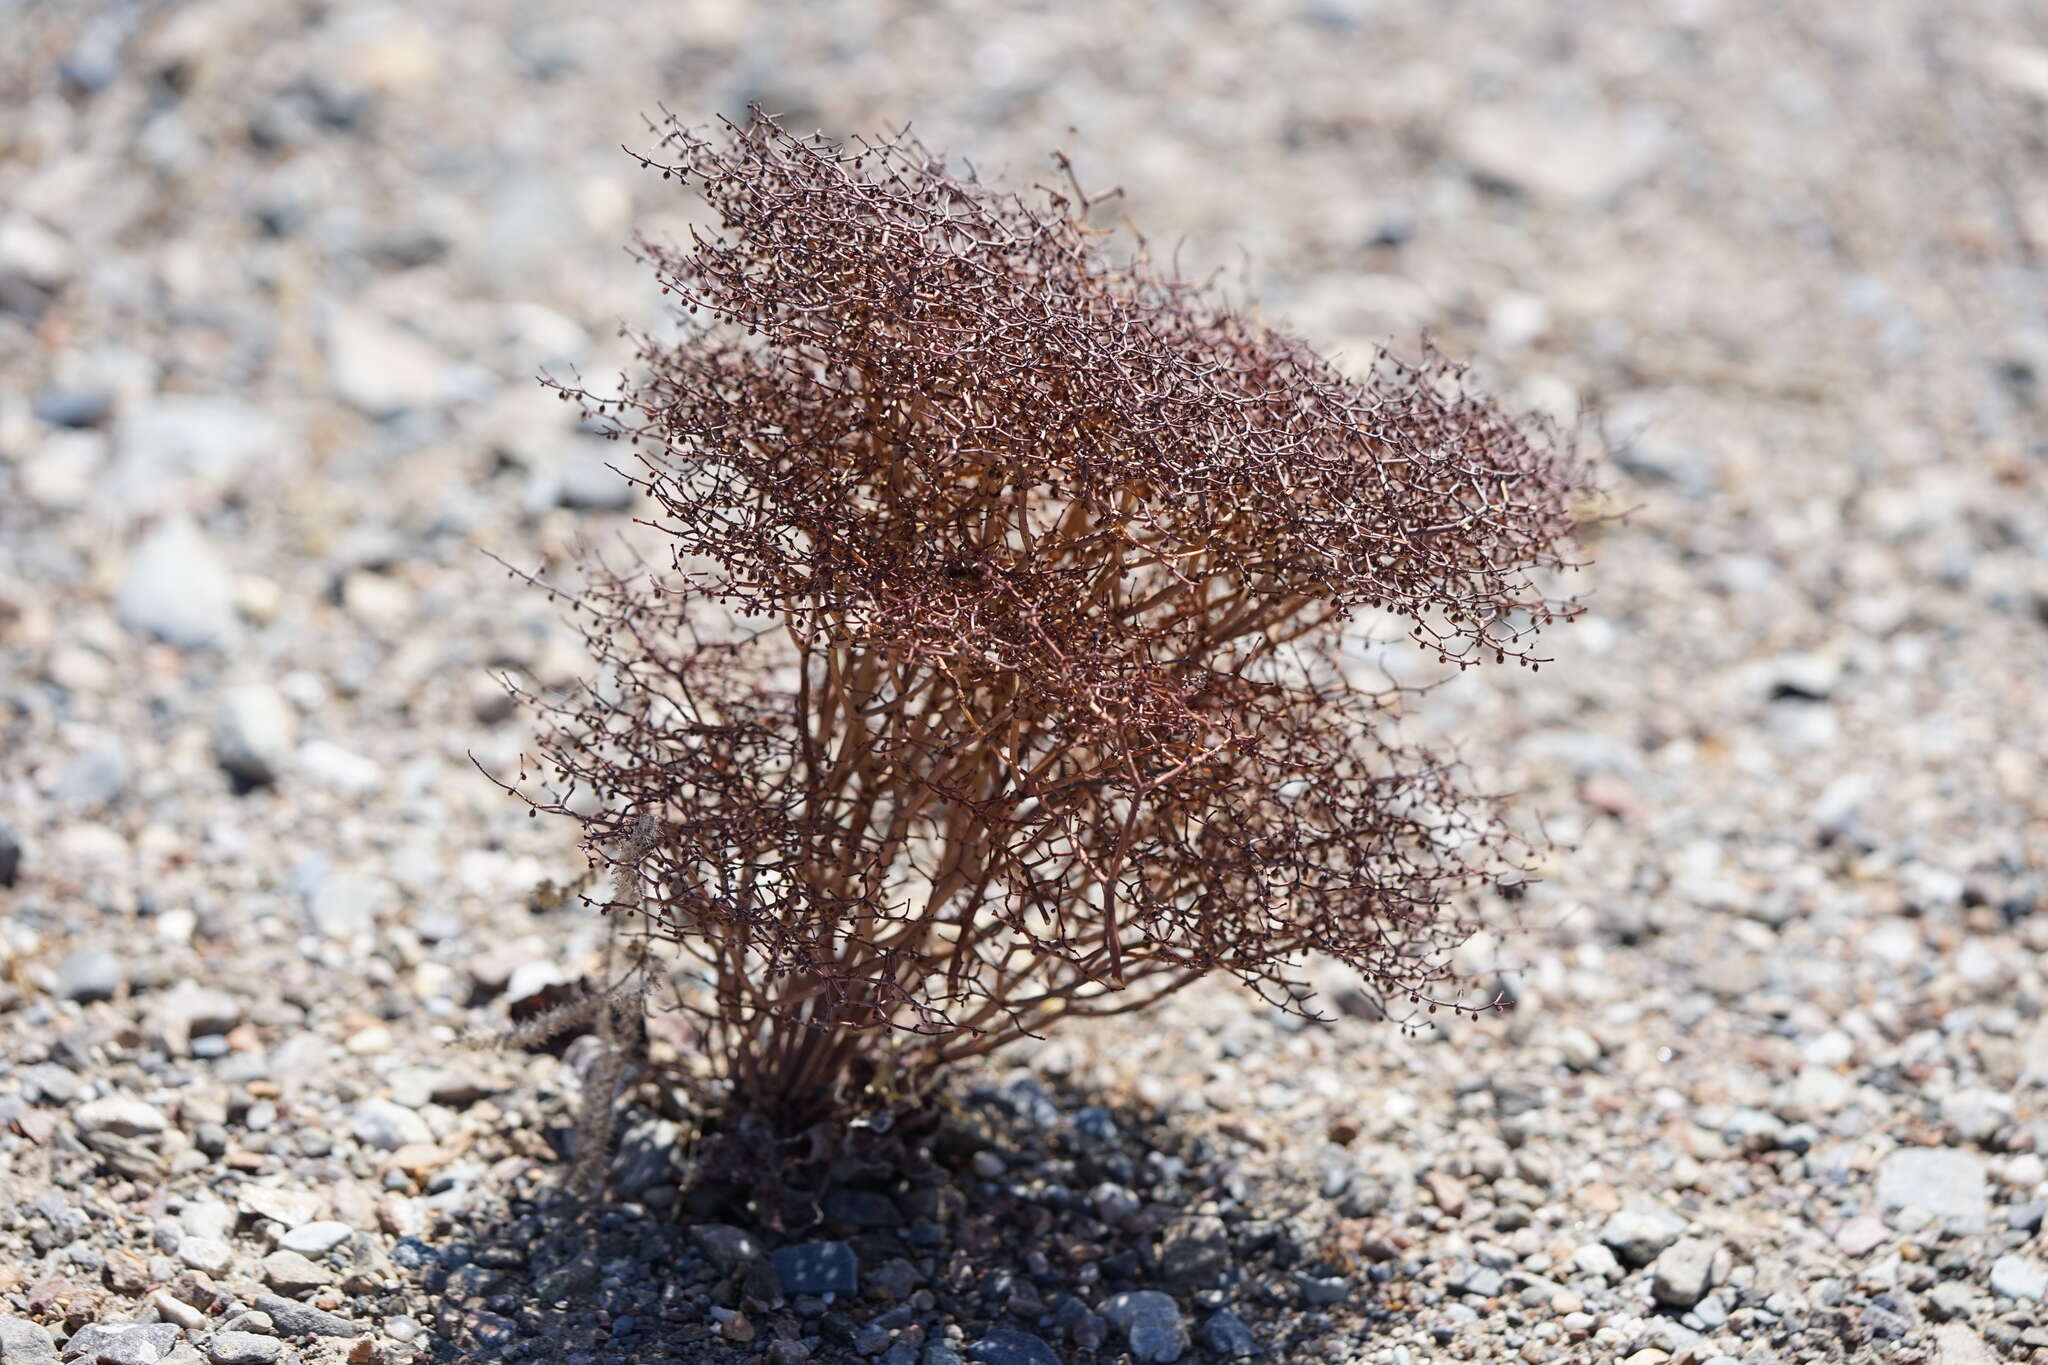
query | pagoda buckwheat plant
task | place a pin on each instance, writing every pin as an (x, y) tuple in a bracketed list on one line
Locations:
[(994, 682)]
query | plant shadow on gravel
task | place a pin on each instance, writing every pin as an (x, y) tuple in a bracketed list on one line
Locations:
[(1002, 1228)]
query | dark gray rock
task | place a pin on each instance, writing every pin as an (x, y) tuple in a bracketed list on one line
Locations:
[(724, 1246), (1197, 1251), (1225, 1335), (10, 855), (1151, 1325), (294, 1319), (817, 1268)]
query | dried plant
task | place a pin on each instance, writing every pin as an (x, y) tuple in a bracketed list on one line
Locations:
[(995, 679)]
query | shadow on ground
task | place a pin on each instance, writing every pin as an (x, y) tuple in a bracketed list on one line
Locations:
[(1021, 1227)]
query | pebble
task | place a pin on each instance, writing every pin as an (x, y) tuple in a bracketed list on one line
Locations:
[(2015, 1277), (243, 1348), (725, 1246), (1939, 1183), (177, 588), (1196, 1250), (89, 975), (292, 1208), (254, 731), (326, 764), (1224, 1334), (315, 1239), (1683, 1272), (294, 1319), (817, 1268), (1638, 1232), (119, 1116), (288, 1272), (1151, 1324)]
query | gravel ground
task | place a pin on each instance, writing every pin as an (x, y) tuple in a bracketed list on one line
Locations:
[(274, 279)]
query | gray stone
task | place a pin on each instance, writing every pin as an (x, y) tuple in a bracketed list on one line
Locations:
[(254, 731), (315, 1239), (1937, 1184), (724, 1246), (1004, 1346), (1225, 1335), (294, 1319), (1683, 1273), (10, 855), (2014, 1277), (290, 1273), (243, 1348), (817, 1268), (293, 1208), (346, 905), (1637, 1234), (177, 588), (25, 1343), (1568, 156), (1151, 1324), (120, 1116), (1478, 1279), (207, 1254), (1952, 1299), (1196, 1250), (145, 1344), (88, 975), (387, 1126)]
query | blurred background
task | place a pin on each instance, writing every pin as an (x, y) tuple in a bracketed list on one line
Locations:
[(275, 279)]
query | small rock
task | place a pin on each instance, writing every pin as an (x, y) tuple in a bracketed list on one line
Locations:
[(143, 1344), (1946, 1186), (1639, 1232), (315, 1239), (1196, 1251), (95, 778), (89, 975), (207, 1254), (1683, 1273), (254, 729), (724, 1246), (1952, 1299), (1226, 1335), (2013, 1277), (193, 443), (10, 855), (817, 1268), (243, 1348), (177, 588), (120, 1117), (290, 1273), (25, 1343), (327, 764), (294, 1319), (1151, 1324), (1861, 1236), (292, 1208), (189, 1010)]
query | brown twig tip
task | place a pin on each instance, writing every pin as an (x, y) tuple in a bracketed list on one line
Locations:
[(1036, 713)]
